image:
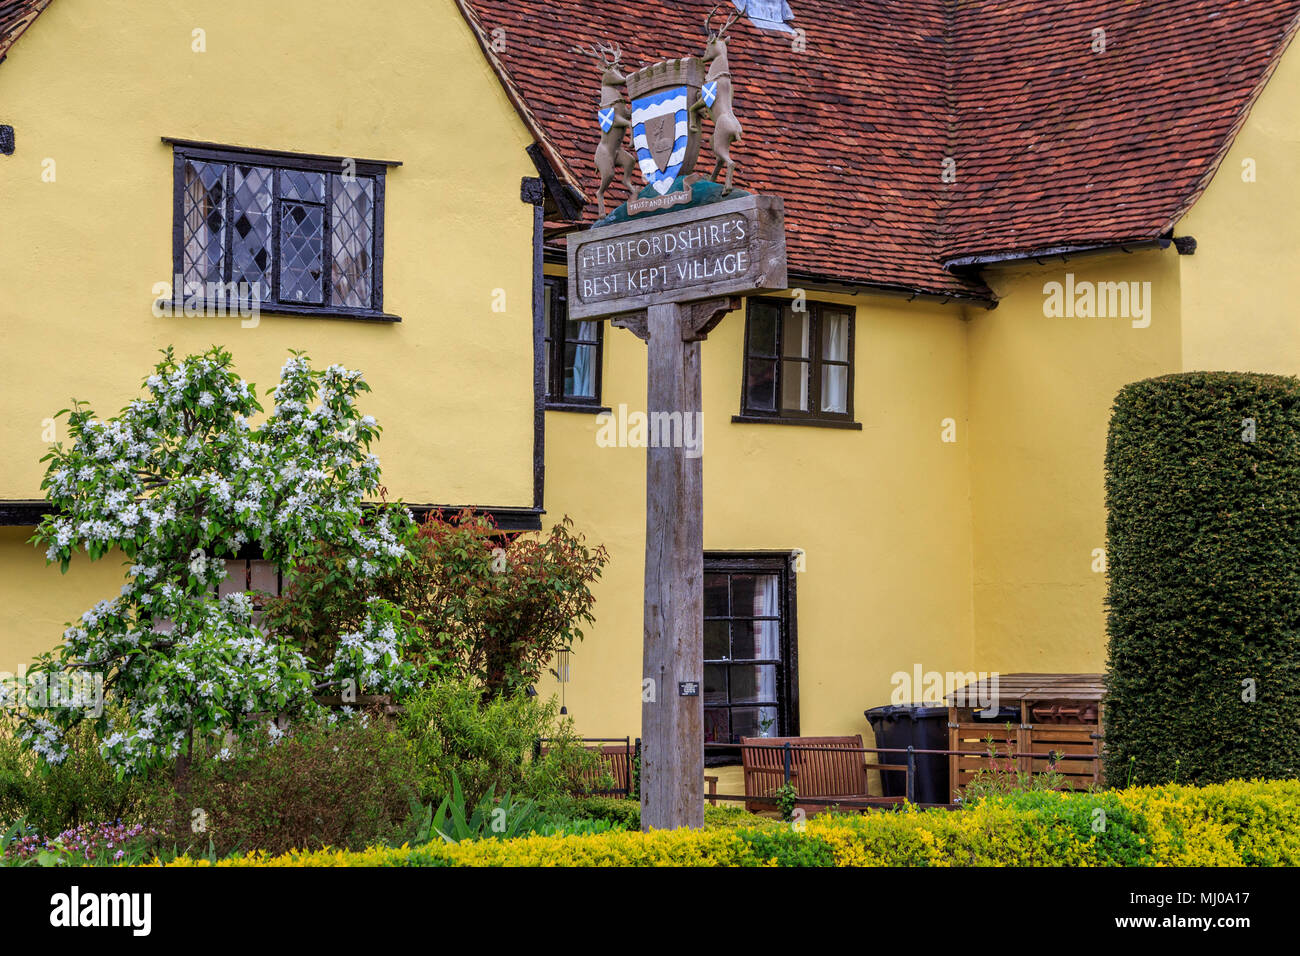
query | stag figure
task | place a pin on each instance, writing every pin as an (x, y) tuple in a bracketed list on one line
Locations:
[(715, 96), (615, 119)]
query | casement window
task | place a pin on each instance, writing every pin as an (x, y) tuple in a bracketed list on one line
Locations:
[(263, 578), (302, 235), (573, 354), (750, 664), (798, 364)]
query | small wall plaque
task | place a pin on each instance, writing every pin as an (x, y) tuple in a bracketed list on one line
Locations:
[(688, 688), (7, 140)]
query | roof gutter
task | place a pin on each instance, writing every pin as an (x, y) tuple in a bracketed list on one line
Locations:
[(850, 287), (1185, 245)]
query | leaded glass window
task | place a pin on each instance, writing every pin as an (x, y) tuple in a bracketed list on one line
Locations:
[(251, 242), (354, 232), (302, 252), (204, 222), (303, 235)]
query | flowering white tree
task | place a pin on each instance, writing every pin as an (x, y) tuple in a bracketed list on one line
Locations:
[(177, 482)]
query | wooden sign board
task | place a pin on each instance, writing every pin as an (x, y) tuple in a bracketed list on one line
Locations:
[(732, 247)]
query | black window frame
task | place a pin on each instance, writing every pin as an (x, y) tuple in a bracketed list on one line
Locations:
[(780, 563), (814, 416), (278, 161), (555, 339)]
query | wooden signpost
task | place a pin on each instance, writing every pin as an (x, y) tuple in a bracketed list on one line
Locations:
[(669, 265)]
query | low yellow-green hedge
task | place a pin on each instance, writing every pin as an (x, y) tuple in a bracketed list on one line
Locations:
[(1252, 823)]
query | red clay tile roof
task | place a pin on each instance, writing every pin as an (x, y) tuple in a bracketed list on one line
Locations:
[(15, 17), (1057, 144), (1054, 144)]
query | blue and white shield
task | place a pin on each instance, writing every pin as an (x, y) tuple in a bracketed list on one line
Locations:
[(709, 92), (606, 119), (659, 133)]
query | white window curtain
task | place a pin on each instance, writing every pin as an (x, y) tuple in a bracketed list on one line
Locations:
[(767, 603), (584, 368), (835, 378)]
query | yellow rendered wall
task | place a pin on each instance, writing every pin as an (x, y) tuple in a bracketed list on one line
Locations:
[(1041, 388), (882, 514), (1040, 397), (973, 555), (1240, 309), (93, 85)]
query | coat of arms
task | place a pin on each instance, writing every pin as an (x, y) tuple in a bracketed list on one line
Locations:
[(666, 101), (666, 142)]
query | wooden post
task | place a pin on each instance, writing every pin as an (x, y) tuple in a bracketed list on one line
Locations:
[(672, 702), (672, 725)]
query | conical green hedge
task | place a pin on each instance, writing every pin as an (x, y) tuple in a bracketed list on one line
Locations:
[(1203, 548)]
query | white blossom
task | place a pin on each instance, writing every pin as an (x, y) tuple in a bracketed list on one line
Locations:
[(185, 660)]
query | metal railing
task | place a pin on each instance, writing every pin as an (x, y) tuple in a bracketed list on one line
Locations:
[(788, 766), (788, 751)]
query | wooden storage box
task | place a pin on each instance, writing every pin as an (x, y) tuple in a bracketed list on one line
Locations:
[(1054, 714)]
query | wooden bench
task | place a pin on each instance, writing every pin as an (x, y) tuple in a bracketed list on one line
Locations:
[(833, 768), (611, 776), (615, 762)]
